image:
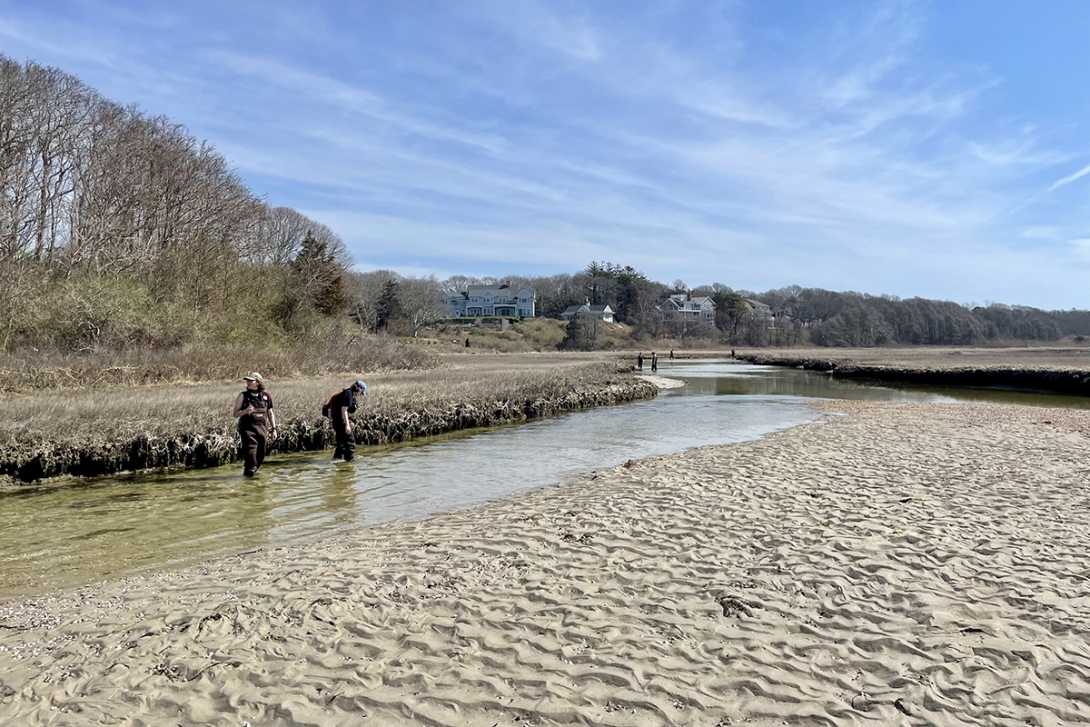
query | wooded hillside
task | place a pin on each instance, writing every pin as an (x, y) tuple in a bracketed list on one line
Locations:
[(119, 229)]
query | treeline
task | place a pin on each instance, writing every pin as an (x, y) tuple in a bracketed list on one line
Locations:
[(121, 229), (827, 318), (787, 316)]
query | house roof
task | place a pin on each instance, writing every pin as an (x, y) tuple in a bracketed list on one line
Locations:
[(681, 301), (477, 291), (573, 309)]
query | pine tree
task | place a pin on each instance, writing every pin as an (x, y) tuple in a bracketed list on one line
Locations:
[(387, 305), (320, 276)]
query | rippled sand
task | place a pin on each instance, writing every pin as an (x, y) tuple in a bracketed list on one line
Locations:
[(900, 564)]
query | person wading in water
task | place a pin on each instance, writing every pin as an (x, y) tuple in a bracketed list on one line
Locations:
[(340, 407), (256, 422)]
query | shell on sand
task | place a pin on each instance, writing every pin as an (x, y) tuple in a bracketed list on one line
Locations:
[(903, 564)]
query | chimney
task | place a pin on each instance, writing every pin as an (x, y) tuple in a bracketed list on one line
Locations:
[(690, 296)]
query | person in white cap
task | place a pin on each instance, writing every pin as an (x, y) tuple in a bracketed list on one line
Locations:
[(256, 422)]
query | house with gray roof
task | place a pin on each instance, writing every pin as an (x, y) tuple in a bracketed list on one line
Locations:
[(686, 306), (601, 312), (493, 300)]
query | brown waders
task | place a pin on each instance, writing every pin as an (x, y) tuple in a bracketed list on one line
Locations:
[(346, 441), (254, 430)]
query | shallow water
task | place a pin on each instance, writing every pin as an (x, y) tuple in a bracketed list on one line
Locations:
[(62, 536)]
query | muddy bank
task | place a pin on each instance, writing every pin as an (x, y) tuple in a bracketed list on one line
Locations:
[(1022, 377), (31, 462)]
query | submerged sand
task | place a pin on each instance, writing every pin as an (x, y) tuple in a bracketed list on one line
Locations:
[(894, 564)]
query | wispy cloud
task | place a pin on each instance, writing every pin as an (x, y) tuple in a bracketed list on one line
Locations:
[(534, 22), (1070, 178), (709, 141), (332, 92)]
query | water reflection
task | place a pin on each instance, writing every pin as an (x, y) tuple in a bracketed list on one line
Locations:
[(64, 536), (718, 378)]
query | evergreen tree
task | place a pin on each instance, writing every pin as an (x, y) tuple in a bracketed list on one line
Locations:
[(320, 276), (387, 305)]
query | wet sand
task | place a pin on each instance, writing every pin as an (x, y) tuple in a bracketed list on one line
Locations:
[(893, 564)]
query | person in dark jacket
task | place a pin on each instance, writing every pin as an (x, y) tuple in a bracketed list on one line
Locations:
[(343, 404), (256, 422)]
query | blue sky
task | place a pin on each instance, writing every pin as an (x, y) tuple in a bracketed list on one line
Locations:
[(939, 149)]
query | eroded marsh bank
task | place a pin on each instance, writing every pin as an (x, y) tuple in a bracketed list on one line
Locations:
[(103, 432), (1054, 370)]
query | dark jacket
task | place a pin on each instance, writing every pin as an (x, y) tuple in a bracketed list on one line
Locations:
[(344, 399)]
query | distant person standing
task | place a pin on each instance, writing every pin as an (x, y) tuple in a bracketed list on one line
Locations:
[(341, 406), (639, 362), (732, 353), (256, 422), (654, 361), (671, 354)]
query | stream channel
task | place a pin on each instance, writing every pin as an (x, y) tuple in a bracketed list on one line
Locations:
[(61, 536)]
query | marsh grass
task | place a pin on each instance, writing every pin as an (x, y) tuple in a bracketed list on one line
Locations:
[(542, 335), (103, 431), (532, 334), (339, 352)]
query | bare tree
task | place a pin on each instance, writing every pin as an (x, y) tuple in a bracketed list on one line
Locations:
[(89, 189), (555, 293), (364, 292), (422, 302), (458, 283)]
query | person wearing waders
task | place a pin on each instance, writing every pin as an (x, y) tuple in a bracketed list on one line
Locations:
[(256, 422), (341, 406)]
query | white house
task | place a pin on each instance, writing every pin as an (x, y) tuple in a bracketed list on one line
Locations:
[(684, 306), (493, 300), (760, 311), (601, 312)]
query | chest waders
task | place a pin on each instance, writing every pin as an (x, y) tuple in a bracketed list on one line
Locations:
[(254, 430), (346, 440)]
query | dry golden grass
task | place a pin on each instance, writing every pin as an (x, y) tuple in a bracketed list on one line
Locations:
[(341, 351), (164, 411), (98, 431)]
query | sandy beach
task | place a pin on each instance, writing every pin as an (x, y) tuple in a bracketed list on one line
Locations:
[(917, 564)]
